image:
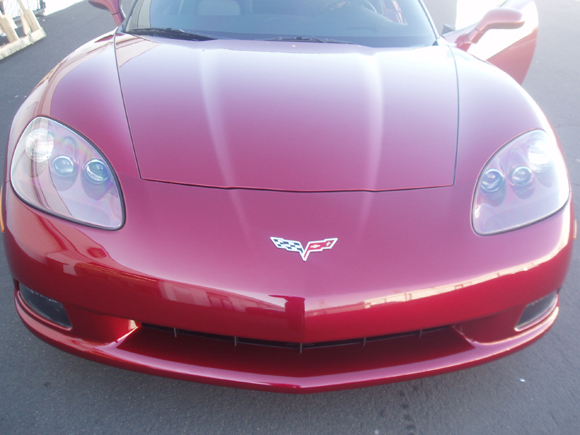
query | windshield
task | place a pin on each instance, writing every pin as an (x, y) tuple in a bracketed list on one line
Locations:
[(374, 23)]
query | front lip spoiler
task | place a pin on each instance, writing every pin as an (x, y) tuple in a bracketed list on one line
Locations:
[(284, 370)]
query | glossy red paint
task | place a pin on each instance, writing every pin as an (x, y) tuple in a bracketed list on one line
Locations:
[(101, 100), (283, 370), (517, 59), (174, 276), (232, 130), (200, 258)]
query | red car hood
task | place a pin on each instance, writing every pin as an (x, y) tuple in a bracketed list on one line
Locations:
[(290, 116)]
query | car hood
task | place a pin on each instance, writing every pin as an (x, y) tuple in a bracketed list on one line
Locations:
[(290, 116)]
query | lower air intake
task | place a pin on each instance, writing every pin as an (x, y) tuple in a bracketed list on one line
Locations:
[(288, 345)]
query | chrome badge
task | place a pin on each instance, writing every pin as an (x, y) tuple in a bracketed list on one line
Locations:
[(294, 246)]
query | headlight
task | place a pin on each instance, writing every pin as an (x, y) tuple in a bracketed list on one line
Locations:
[(523, 183), (62, 173)]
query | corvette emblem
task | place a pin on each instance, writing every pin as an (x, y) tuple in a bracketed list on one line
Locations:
[(294, 246)]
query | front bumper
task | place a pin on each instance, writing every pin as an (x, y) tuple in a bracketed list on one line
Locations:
[(439, 300), (218, 362)]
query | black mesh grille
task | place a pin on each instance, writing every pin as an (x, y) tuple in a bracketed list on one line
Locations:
[(288, 345)]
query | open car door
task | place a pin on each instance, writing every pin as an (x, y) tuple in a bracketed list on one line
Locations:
[(505, 36)]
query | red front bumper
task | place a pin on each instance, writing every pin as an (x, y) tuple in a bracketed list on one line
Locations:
[(212, 268), (276, 369)]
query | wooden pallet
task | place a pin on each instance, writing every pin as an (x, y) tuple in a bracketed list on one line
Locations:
[(32, 31)]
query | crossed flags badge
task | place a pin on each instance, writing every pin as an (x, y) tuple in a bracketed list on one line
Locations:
[(294, 246)]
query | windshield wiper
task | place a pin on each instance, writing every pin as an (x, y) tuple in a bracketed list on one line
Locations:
[(171, 33), (309, 39)]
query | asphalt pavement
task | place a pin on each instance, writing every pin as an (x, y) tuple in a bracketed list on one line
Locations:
[(536, 391)]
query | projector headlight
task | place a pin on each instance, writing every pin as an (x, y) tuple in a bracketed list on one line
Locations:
[(58, 171), (524, 182)]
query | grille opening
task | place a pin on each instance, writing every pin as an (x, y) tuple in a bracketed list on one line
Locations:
[(300, 347)]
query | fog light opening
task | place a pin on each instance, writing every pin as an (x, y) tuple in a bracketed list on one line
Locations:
[(536, 311), (47, 308)]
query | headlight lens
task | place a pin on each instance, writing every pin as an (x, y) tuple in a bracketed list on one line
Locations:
[(62, 173), (523, 183)]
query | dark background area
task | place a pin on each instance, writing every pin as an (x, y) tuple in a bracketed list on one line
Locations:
[(536, 391)]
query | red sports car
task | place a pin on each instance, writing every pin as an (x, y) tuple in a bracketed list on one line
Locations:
[(289, 195)]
